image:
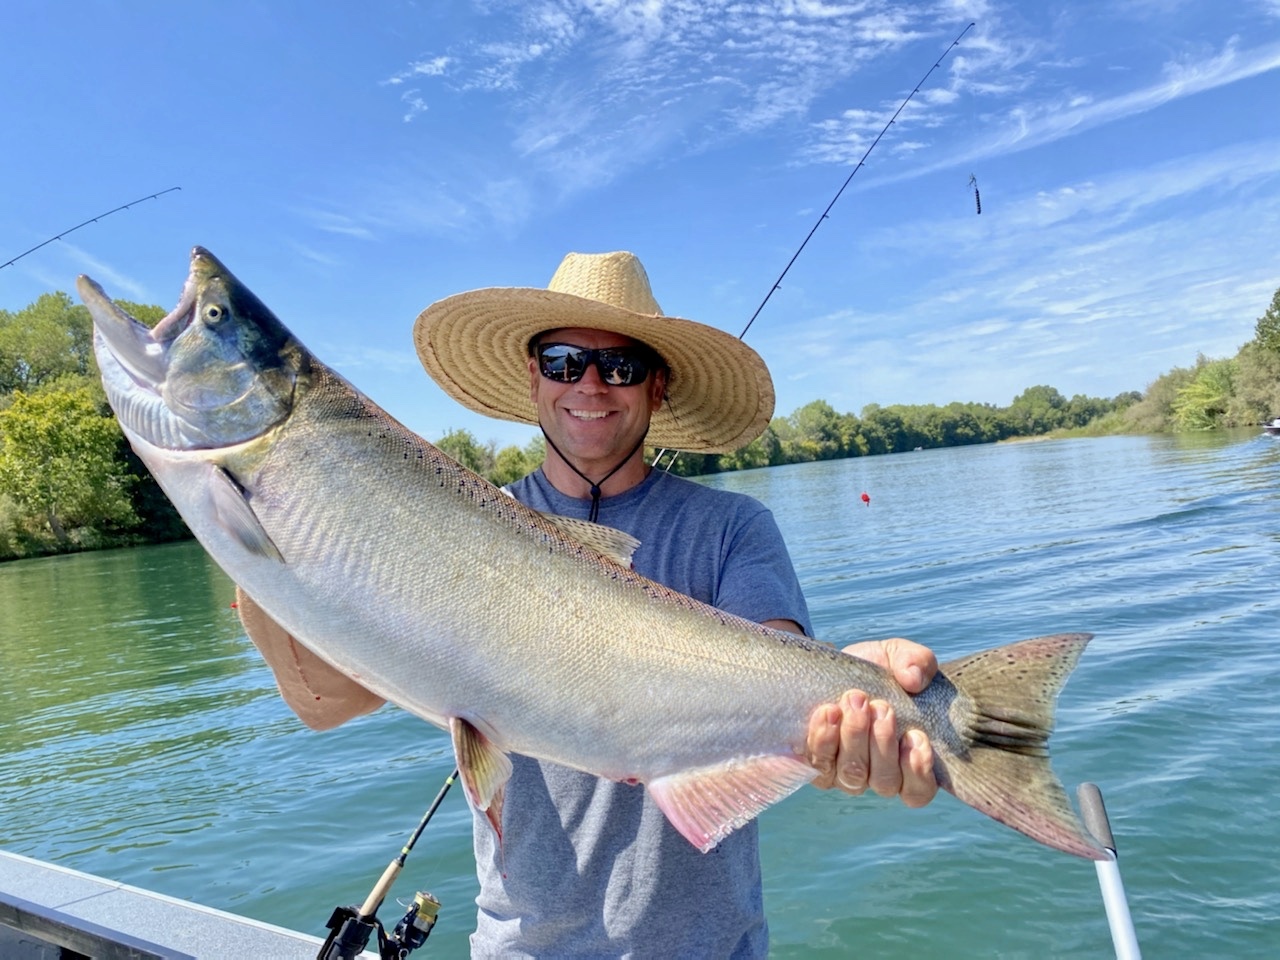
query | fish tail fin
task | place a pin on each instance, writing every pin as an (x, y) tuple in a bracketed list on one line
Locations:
[(1003, 716)]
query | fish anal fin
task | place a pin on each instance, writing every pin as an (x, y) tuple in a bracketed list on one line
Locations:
[(237, 518), (709, 803), (322, 696), (614, 544), (484, 769)]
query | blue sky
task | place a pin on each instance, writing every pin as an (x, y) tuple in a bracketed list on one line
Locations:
[(354, 162)]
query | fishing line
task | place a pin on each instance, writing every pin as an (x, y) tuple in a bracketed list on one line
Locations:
[(902, 106), (826, 212), (126, 206)]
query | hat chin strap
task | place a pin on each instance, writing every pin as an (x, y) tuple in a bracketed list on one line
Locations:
[(593, 516)]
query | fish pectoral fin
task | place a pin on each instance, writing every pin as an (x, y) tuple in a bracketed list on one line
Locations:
[(237, 518), (484, 768), (614, 544), (322, 696), (709, 803)]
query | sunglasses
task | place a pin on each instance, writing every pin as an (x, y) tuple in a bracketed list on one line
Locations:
[(617, 366)]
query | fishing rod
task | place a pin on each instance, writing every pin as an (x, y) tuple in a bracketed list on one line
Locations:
[(777, 284), (351, 927), (126, 206), (1117, 906)]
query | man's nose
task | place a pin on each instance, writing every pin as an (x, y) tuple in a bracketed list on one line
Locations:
[(591, 381)]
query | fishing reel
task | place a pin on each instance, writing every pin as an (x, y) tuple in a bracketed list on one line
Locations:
[(415, 926), (350, 931), (351, 927)]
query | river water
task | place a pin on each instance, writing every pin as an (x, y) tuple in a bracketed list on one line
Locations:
[(141, 738)]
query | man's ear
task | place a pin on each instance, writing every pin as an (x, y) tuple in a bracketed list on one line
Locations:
[(534, 377), (657, 390)]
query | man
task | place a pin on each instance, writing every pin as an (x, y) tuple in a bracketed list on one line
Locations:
[(589, 867)]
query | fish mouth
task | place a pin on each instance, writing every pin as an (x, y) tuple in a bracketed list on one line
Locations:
[(209, 374), (141, 350), (132, 344)]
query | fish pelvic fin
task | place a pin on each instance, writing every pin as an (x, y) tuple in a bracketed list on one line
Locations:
[(484, 770), (708, 803), (1002, 719)]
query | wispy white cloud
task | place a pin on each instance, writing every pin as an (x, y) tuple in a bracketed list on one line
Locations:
[(330, 221), (1039, 117), (582, 77), (415, 103), (1094, 287), (348, 357), (312, 255), (117, 284), (433, 67)]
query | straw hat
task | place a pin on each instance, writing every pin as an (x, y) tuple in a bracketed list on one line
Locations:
[(475, 345)]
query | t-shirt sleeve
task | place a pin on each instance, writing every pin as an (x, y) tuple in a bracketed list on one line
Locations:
[(757, 579)]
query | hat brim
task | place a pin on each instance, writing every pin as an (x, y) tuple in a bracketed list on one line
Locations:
[(475, 346)]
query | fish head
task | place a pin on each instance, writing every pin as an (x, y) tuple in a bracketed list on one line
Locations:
[(219, 370)]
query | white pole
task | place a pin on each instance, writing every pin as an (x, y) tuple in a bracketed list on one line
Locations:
[(1113, 898)]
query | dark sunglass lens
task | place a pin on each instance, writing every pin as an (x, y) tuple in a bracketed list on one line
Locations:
[(621, 368), (559, 361)]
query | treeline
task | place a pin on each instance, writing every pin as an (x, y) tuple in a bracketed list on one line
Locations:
[(68, 480), (817, 432)]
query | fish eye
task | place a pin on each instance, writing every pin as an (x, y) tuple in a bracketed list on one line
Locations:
[(214, 313)]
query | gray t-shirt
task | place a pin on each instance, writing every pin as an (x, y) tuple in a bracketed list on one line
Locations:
[(590, 867)]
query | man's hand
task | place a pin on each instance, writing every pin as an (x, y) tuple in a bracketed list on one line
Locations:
[(854, 743)]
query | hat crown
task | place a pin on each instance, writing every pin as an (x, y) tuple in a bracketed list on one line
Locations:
[(618, 279)]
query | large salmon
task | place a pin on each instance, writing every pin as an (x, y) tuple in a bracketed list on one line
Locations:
[(515, 631)]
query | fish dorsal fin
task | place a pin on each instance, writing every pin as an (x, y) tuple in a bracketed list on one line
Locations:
[(237, 518), (322, 696), (484, 769), (614, 544), (708, 803)]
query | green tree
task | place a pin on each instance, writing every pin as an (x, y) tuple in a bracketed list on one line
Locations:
[(1257, 385), (467, 450), (883, 429), (512, 463), (1154, 412), (1038, 410), (1267, 329), (43, 341), (818, 431), (58, 462), (765, 450), (1201, 403)]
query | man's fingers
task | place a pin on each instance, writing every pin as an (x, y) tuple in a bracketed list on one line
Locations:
[(911, 664), (853, 772), (919, 786), (822, 743), (886, 774)]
